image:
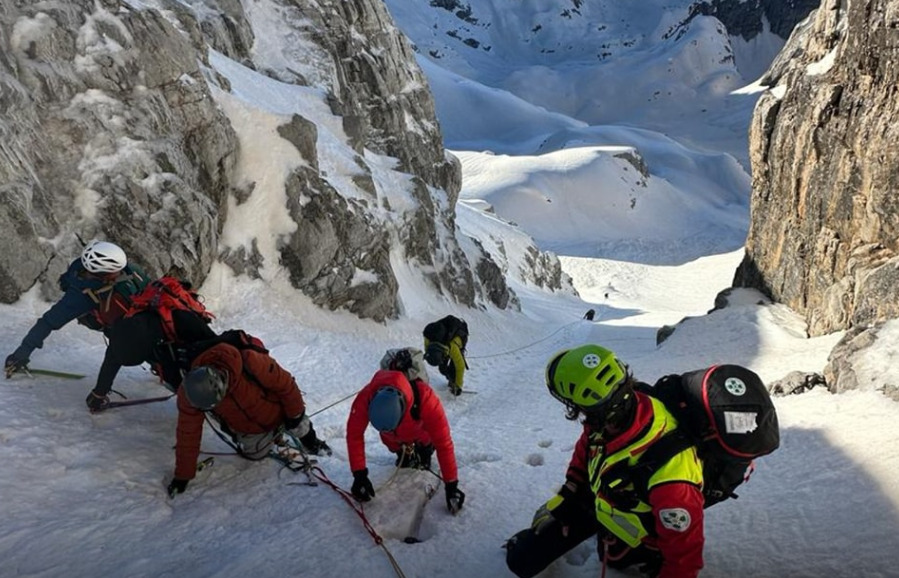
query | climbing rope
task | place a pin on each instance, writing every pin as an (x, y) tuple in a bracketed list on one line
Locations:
[(329, 406), (315, 471), (524, 346), (357, 507), (392, 477)]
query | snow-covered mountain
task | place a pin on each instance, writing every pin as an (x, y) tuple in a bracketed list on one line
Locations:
[(555, 76), (164, 125), (658, 64), (647, 220)]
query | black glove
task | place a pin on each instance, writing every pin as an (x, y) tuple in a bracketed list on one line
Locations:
[(543, 517), (652, 567), (14, 364), (95, 402), (176, 487), (362, 488), (313, 445), (455, 389), (454, 497), (560, 508)]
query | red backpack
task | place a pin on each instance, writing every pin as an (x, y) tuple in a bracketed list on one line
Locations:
[(165, 295)]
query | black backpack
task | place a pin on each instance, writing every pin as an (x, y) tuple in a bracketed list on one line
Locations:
[(439, 334), (727, 413), (443, 330)]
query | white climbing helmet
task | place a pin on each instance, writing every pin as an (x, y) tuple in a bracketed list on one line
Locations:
[(103, 257)]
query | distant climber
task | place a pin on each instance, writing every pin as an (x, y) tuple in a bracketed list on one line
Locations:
[(445, 342)]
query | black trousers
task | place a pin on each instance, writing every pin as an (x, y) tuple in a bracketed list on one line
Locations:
[(528, 554)]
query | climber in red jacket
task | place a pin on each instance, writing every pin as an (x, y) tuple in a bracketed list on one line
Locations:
[(249, 396), (412, 424)]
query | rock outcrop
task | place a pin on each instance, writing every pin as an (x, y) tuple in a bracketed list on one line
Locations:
[(748, 19), (104, 138), (824, 233), (111, 130)]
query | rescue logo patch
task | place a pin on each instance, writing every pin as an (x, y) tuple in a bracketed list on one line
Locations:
[(677, 519), (735, 386)]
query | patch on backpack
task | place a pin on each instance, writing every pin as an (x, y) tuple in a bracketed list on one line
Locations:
[(677, 519)]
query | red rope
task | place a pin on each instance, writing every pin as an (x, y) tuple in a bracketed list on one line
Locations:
[(605, 557), (349, 499)]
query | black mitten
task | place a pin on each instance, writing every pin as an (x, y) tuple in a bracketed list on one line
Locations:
[(362, 489), (454, 497)]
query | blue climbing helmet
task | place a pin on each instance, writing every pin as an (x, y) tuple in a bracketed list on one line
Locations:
[(386, 409)]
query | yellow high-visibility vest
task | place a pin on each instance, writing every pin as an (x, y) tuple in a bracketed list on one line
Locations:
[(633, 522)]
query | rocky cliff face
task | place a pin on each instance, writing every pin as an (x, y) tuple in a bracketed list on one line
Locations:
[(824, 236), (747, 19), (103, 138), (111, 130)]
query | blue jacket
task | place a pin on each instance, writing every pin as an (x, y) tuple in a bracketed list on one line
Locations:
[(84, 293)]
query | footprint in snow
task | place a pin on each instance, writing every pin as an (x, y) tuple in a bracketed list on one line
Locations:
[(535, 460)]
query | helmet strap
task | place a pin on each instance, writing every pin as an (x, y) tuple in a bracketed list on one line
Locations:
[(617, 413)]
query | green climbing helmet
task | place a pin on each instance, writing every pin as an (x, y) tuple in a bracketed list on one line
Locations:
[(585, 377)]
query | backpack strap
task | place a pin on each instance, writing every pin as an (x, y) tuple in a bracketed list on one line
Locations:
[(623, 475), (657, 455), (415, 411)]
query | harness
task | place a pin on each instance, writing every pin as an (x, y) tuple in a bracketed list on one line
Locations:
[(103, 297), (620, 478), (628, 484)]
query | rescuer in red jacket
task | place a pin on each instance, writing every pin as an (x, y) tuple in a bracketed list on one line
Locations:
[(412, 424)]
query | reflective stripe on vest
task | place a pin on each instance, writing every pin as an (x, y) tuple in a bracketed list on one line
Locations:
[(634, 523)]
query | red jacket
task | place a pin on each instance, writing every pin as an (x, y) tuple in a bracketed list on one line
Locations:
[(681, 549), (431, 429), (254, 404)]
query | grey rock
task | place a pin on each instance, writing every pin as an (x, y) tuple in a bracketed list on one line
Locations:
[(337, 256), (119, 137), (666, 331), (106, 139), (747, 19), (303, 134), (825, 216), (840, 372), (849, 366), (353, 51), (796, 382)]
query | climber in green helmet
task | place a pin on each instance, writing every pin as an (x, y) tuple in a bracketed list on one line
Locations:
[(657, 525)]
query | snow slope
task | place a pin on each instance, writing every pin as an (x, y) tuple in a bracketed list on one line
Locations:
[(83, 495)]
